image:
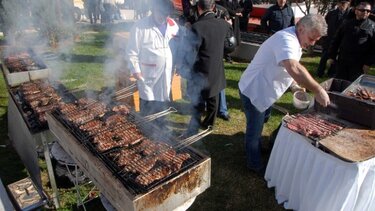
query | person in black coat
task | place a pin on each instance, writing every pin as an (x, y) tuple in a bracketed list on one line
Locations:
[(354, 45), (334, 18), (207, 77), (247, 6), (235, 11)]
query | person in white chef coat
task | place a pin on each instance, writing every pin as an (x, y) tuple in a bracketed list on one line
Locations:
[(150, 57)]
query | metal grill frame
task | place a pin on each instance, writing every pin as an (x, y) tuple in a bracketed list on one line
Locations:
[(128, 179)]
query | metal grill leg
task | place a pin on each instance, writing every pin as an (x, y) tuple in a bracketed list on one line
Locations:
[(52, 180)]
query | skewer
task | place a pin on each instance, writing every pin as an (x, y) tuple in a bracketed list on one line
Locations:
[(154, 116), (120, 97), (192, 139), (128, 88)]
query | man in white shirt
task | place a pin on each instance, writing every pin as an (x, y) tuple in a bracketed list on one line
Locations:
[(271, 72), (149, 54)]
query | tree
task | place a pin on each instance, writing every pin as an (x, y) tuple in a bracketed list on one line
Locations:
[(15, 16), (54, 19)]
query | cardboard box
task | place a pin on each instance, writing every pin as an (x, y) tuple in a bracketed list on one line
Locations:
[(133, 101), (176, 93)]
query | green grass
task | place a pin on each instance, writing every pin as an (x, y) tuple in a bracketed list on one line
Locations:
[(233, 187)]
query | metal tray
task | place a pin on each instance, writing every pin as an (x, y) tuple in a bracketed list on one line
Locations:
[(363, 81)]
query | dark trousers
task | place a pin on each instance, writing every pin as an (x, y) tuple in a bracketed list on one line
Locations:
[(244, 21), (349, 69), (107, 13), (323, 64), (208, 105)]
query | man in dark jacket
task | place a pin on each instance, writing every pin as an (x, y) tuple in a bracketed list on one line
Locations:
[(247, 6), (235, 11), (278, 17), (334, 18), (208, 77), (354, 45)]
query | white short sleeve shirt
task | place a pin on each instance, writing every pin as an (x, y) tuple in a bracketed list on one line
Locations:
[(265, 80)]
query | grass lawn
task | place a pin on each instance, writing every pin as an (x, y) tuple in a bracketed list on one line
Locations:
[(233, 187)]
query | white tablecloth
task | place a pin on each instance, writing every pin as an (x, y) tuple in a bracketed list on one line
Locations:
[(306, 178)]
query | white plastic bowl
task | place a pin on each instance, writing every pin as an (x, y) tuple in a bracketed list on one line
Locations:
[(301, 100)]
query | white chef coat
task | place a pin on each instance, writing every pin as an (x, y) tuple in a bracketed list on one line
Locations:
[(265, 80), (150, 53)]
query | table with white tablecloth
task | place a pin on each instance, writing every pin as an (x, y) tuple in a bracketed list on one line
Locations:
[(307, 178)]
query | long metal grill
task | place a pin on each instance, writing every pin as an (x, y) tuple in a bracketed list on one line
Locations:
[(35, 98), (253, 37), (23, 60), (313, 125), (126, 143)]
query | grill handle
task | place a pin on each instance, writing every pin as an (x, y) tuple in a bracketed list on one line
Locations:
[(154, 116), (194, 138)]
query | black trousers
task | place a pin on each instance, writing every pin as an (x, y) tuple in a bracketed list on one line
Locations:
[(349, 69), (208, 105)]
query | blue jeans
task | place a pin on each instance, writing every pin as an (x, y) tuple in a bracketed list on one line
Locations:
[(223, 110), (253, 137)]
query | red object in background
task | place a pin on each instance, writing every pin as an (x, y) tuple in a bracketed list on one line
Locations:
[(178, 6), (255, 17), (258, 12)]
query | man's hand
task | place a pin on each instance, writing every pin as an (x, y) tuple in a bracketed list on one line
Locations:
[(366, 69), (322, 97)]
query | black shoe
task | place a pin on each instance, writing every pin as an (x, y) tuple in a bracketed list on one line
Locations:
[(224, 117)]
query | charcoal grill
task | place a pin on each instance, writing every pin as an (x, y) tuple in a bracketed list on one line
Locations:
[(254, 37), (119, 186), (22, 65), (30, 117), (313, 125), (250, 43), (354, 142), (347, 107)]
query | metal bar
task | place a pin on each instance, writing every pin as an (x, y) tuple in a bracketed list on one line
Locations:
[(52, 180), (78, 193), (128, 88), (192, 139), (281, 109), (120, 97), (158, 115)]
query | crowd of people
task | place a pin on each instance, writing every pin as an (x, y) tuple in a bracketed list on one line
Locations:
[(193, 43), (105, 11)]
